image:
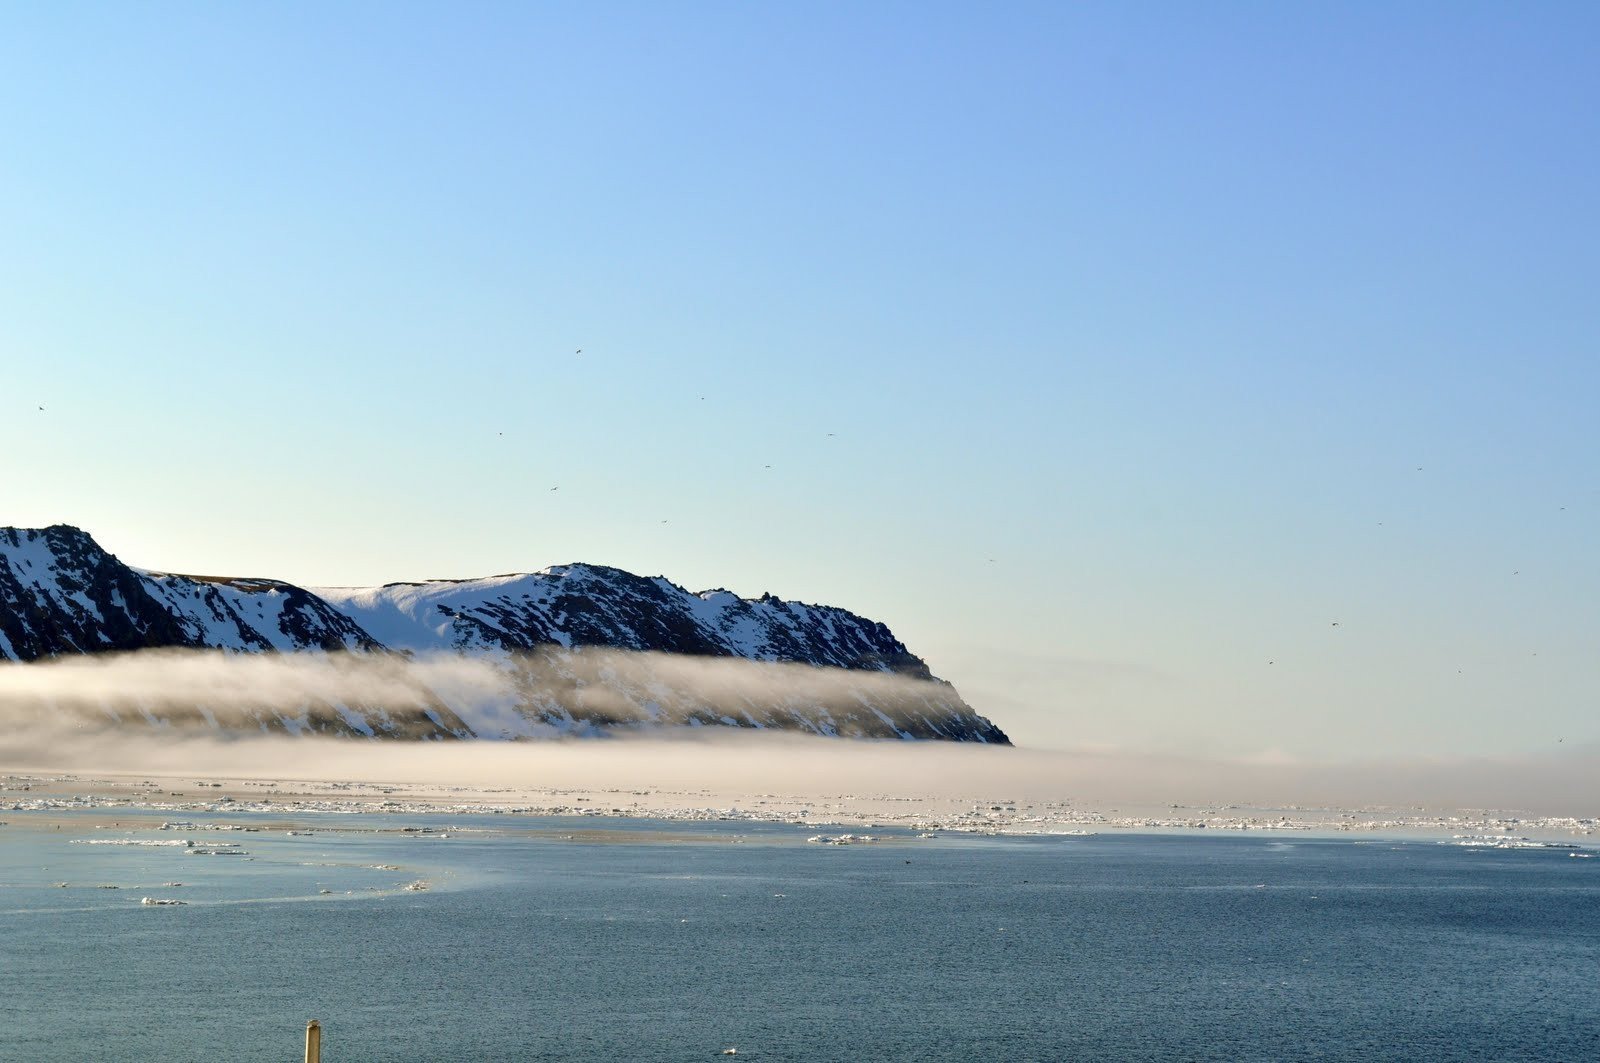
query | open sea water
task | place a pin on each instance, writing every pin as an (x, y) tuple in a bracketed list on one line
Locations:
[(595, 939)]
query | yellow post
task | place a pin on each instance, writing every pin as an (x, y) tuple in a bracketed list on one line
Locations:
[(313, 1042)]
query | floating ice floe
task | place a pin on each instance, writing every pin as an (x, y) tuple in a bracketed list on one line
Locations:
[(1498, 841), (842, 839), (161, 902)]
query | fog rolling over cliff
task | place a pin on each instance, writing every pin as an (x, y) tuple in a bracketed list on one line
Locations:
[(570, 650)]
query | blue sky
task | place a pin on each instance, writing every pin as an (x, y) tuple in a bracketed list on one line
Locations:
[(1211, 326)]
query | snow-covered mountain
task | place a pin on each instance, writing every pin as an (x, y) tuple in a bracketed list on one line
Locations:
[(582, 647)]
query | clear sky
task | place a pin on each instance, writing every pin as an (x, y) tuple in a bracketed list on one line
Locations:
[(1110, 353)]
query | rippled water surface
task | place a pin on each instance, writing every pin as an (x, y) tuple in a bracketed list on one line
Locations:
[(633, 940)]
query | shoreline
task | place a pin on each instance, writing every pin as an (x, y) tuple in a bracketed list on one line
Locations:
[(41, 798)]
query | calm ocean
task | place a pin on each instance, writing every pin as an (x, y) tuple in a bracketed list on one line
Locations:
[(637, 940)]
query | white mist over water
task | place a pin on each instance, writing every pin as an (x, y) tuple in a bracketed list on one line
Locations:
[(75, 734), (598, 686), (220, 681)]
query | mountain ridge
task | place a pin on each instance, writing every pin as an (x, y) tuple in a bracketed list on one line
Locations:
[(62, 594)]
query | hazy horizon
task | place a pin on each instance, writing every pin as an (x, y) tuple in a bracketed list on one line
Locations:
[(54, 715), (749, 763)]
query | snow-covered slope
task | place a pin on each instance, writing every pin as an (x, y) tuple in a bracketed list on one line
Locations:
[(582, 647), (574, 606)]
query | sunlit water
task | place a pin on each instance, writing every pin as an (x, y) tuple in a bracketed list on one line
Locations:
[(633, 940)]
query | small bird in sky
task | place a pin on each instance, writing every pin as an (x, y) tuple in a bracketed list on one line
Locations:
[(555, 488), (1336, 623)]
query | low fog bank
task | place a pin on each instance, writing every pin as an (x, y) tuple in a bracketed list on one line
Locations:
[(439, 695), (734, 764), (64, 716)]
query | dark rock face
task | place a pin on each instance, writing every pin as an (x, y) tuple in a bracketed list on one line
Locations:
[(61, 594)]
